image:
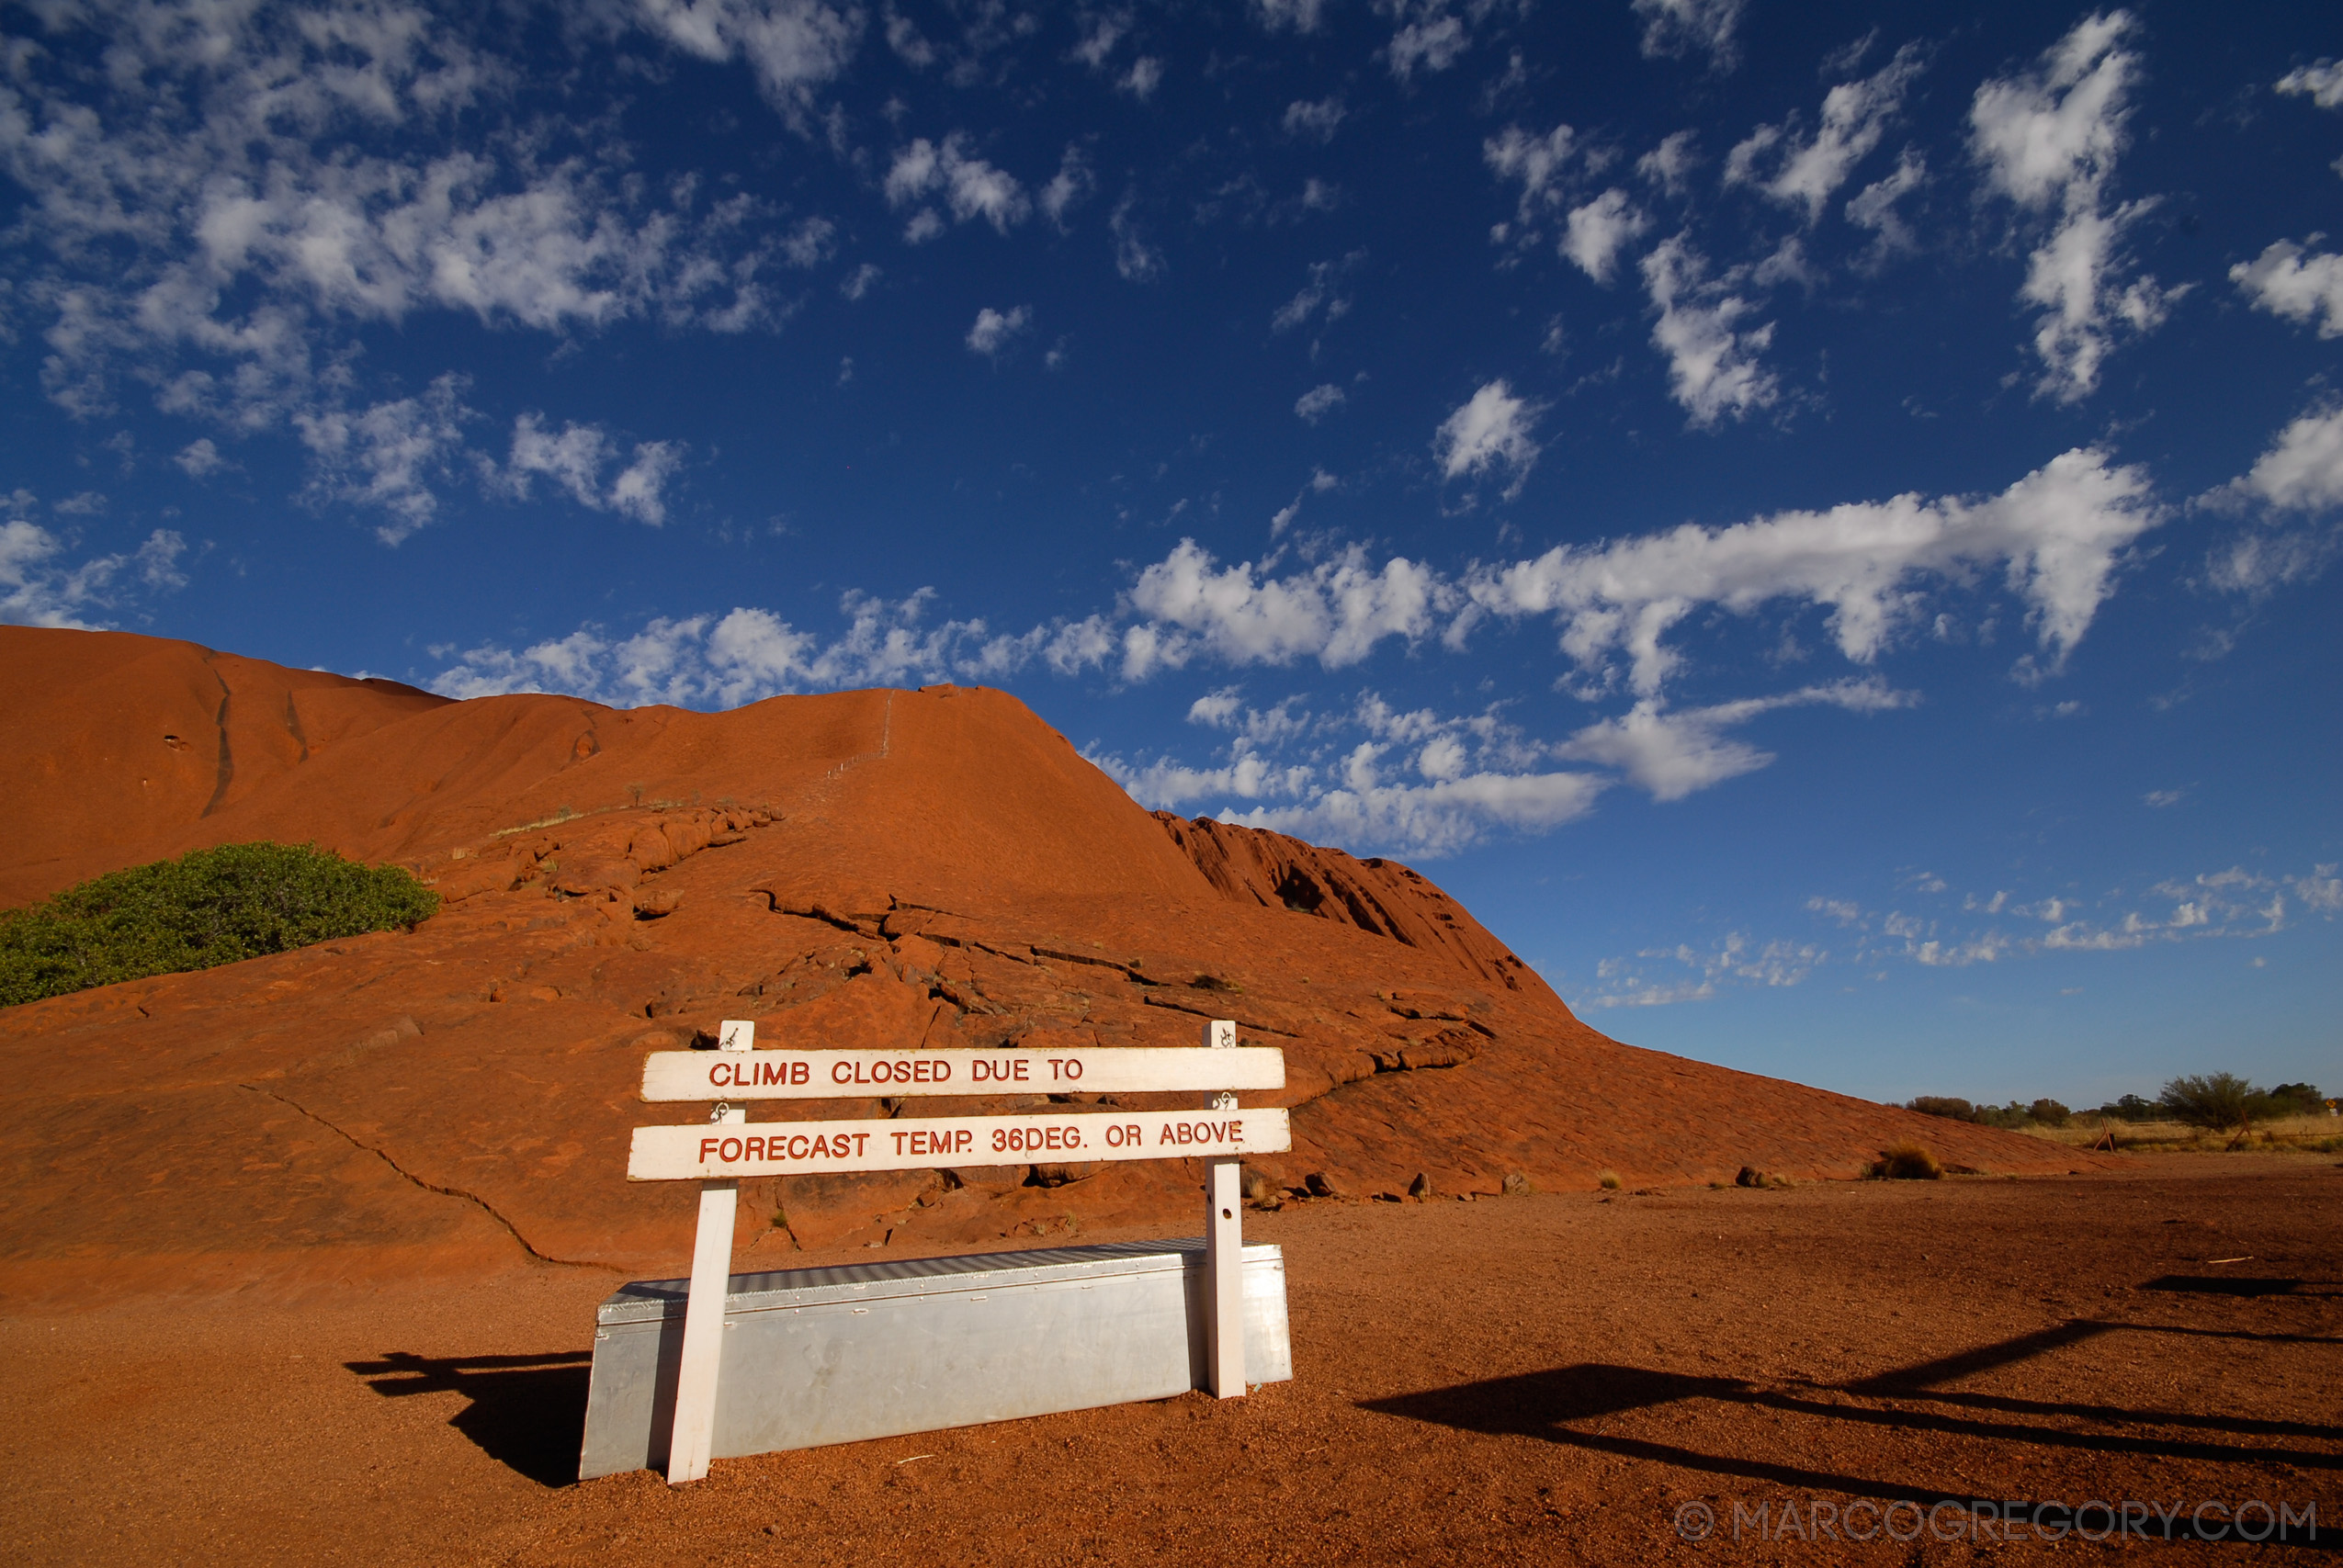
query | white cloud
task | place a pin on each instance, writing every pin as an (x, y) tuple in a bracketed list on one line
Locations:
[(2301, 472), (1319, 401), (2322, 83), (1734, 959), (214, 211), (2048, 139), (909, 43), (2232, 903), (1068, 187), (2282, 282), (37, 589), (748, 654), (1302, 16), (200, 458), (1436, 819), (995, 329), (2057, 535), (1217, 709), (1599, 231), (1142, 80), (394, 455), (1314, 120), (636, 489), (1319, 291), (860, 281), (1335, 611), (1712, 370), (1136, 261), (1874, 207), (1672, 754), (1539, 162), (1100, 36), (1669, 165), (2302, 469), (1673, 28), (1435, 40), (969, 185), (574, 459), (1807, 170), (1419, 783), (794, 46), (1492, 427)]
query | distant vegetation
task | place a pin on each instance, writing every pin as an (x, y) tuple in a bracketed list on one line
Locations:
[(2215, 1101), (2042, 1112), (208, 907), (2187, 1110)]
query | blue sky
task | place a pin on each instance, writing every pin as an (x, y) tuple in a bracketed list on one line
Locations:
[(1814, 521)]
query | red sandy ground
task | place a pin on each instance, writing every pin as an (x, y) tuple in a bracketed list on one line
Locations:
[(1541, 1380), (877, 869)]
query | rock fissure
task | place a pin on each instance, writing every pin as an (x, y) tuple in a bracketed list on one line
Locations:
[(227, 764), (474, 1198)]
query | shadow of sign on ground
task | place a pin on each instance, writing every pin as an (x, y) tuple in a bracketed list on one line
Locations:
[(1562, 1405), (526, 1411)]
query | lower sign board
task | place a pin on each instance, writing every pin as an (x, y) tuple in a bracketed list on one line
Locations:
[(720, 1151)]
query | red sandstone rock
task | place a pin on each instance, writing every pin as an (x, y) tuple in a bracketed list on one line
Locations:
[(881, 869)]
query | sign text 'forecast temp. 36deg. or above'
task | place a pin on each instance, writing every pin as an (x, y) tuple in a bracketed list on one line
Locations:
[(715, 1151)]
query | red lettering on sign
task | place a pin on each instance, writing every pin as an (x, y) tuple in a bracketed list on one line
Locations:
[(841, 1072), (1201, 1132), (706, 1147), (730, 1151)]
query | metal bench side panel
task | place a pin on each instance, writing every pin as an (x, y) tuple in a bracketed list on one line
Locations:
[(842, 1370)]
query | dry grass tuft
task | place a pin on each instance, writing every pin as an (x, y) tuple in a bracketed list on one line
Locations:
[(1608, 1180), (1907, 1162)]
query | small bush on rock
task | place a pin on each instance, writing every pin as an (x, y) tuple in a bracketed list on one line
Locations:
[(208, 908), (1907, 1162)]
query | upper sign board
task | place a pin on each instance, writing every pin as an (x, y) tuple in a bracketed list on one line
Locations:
[(863, 1075), (715, 1151)]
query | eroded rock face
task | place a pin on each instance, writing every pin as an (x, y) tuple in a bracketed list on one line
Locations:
[(890, 870)]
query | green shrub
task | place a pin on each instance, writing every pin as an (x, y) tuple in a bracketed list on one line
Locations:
[(2049, 1113), (2295, 1100), (2214, 1101), (1946, 1106), (208, 907)]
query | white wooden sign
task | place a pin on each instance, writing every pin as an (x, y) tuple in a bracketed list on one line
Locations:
[(703, 1152), (864, 1075), (728, 1147)]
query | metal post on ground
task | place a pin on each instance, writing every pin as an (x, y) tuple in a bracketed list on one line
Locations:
[(1224, 1250), (692, 1440)]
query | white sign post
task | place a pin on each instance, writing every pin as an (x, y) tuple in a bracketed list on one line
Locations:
[(1224, 1248), (721, 1151), (695, 1429)]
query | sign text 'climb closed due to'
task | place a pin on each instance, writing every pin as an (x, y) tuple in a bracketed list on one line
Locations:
[(716, 1151), (858, 1075)]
